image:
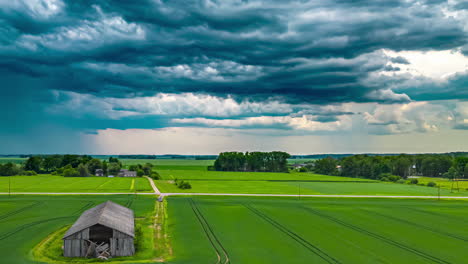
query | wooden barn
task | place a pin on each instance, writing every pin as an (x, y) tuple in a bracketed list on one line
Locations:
[(107, 230)]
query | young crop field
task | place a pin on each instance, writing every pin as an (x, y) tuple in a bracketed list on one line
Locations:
[(279, 230), (50, 183), (25, 221), (204, 181)]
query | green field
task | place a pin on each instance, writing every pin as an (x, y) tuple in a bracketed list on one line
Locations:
[(12, 160), (261, 230), (445, 183), (204, 181), (27, 220), (50, 183)]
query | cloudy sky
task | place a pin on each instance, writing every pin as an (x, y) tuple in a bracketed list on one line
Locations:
[(200, 77)]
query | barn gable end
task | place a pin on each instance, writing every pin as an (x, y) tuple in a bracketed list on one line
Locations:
[(109, 223)]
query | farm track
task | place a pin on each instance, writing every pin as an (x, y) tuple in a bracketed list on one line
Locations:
[(15, 212), (130, 200), (377, 236), (309, 246), (25, 226), (458, 218), (214, 241), (418, 225), (85, 207)]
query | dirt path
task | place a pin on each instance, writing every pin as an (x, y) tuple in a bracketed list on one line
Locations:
[(156, 190)]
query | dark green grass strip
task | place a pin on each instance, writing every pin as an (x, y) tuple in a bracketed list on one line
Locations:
[(312, 248), (377, 236), (213, 239), (418, 225), (15, 212), (21, 228)]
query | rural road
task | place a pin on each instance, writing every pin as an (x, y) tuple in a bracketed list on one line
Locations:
[(247, 194)]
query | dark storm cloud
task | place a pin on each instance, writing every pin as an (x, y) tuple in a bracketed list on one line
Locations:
[(299, 52)]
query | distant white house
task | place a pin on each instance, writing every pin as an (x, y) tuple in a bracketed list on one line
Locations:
[(99, 172), (127, 173), (298, 166)]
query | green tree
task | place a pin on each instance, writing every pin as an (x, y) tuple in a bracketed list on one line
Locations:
[(9, 169), (71, 172), (51, 163), (326, 166), (83, 170), (113, 168), (33, 163), (147, 168), (93, 165)]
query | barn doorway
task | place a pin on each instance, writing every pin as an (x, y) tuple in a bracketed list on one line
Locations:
[(100, 234)]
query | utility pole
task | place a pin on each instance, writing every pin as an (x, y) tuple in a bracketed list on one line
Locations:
[(299, 190), (439, 191)]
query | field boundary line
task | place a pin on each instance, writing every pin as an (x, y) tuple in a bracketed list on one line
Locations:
[(311, 247), (376, 236)]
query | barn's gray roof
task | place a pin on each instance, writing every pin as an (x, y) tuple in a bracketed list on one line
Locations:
[(107, 214)]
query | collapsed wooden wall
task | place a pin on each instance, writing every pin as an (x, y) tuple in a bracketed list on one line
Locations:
[(75, 245)]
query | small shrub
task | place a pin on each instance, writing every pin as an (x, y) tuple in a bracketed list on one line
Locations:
[(389, 177), (184, 185), (70, 172), (303, 169), (385, 179), (29, 173), (155, 176), (402, 181), (414, 181), (431, 184)]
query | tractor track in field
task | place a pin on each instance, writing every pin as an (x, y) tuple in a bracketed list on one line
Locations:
[(418, 225), (377, 236), (212, 238), (22, 227), (15, 212), (309, 246), (130, 200), (453, 217), (85, 207)]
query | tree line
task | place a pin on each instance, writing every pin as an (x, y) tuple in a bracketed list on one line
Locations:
[(275, 161), (376, 167), (72, 166)]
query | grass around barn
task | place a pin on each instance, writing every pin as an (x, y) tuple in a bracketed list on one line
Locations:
[(51, 183), (31, 227), (319, 230)]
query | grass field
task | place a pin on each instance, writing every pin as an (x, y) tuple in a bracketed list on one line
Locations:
[(204, 181), (27, 220), (444, 182), (268, 230), (50, 183), (12, 160)]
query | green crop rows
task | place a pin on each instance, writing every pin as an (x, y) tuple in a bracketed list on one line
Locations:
[(269, 230)]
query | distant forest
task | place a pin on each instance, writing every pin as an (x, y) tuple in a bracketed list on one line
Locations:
[(275, 161), (378, 167)]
